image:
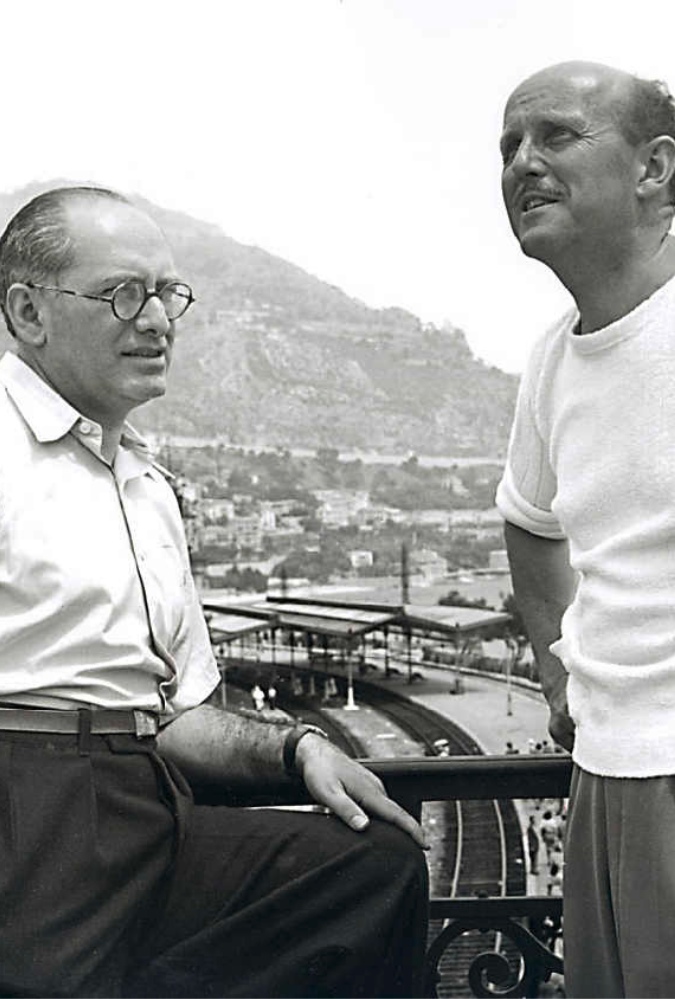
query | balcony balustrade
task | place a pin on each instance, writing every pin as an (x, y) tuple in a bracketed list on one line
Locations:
[(518, 969)]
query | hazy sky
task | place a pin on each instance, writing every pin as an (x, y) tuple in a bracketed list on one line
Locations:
[(357, 138)]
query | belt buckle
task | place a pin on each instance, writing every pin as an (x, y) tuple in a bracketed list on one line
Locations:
[(146, 724)]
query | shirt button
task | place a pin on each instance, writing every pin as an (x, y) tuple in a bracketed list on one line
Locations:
[(85, 427)]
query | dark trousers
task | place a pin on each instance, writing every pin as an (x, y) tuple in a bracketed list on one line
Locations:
[(112, 882), (619, 905)]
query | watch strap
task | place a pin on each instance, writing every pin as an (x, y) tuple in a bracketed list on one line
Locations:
[(291, 745)]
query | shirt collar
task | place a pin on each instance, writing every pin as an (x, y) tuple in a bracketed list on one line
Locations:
[(48, 414)]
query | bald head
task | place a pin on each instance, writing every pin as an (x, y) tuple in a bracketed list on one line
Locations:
[(594, 80)]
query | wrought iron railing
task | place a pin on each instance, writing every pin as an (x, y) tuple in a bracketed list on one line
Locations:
[(529, 961)]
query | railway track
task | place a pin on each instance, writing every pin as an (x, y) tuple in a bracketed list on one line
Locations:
[(483, 849), (488, 854)]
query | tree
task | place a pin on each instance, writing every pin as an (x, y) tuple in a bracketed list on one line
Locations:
[(513, 632), (247, 580)]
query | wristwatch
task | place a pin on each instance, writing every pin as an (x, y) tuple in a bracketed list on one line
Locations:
[(291, 745)]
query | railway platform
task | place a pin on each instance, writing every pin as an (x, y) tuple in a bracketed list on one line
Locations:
[(485, 708)]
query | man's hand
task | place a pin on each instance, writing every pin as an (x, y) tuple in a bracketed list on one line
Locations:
[(560, 724), (349, 790)]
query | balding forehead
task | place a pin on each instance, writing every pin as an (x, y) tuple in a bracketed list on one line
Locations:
[(110, 216), (588, 78), (586, 87), (109, 237)]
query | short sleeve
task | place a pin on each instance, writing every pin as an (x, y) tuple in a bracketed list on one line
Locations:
[(528, 485)]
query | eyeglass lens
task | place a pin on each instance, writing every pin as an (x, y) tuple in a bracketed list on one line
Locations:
[(130, 297)]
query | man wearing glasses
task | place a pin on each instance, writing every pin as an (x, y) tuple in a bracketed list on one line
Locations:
[(112, 882)]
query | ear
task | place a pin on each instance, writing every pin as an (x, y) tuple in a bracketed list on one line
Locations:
[(657, 167), (25, 314)]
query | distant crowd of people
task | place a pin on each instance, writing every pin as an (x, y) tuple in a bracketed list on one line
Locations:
[(546, 824), (547, 828), (533, 747)]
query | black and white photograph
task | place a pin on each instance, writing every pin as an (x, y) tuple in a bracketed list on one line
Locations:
[(337, 500)]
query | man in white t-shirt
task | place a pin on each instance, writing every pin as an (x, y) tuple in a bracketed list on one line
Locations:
[(588, 495)]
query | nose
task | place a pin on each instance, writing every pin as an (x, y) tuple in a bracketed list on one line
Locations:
[(152, 318), (526, 159)]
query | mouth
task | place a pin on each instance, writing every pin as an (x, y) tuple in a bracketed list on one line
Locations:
[(146, 353), (533, 200)]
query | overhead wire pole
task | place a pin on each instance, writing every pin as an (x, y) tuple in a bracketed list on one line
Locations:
[(405, 574), (408, 635), (405, 600)]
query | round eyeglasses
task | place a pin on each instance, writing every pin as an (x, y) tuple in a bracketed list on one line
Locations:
[(128, 299)]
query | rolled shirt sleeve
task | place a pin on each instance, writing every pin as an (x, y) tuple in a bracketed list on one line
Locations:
[(528, 486)]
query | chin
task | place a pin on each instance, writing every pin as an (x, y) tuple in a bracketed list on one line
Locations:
[(150, 389), (155, 392), (539, 246)]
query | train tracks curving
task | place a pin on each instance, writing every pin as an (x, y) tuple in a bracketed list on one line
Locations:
[(488, 854)]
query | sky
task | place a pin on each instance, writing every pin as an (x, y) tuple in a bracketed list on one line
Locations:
[(355, 138)]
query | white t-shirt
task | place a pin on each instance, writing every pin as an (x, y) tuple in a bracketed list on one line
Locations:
[(592, 459)]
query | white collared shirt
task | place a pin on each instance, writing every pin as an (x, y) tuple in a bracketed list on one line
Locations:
[(97, 601)]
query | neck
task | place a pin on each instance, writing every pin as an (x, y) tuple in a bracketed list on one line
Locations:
[(110, 443), (604, 294)]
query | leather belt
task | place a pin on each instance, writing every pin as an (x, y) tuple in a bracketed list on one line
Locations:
[(97, 722)]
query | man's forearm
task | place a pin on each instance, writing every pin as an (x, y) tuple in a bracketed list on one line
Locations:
[(210, 744), (543, 585), (216, 746)]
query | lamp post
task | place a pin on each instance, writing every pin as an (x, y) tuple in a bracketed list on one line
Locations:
[(351, 703), (509, 698)]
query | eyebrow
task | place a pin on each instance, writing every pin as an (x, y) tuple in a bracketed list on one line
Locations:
[(553, 117), (116, 278), (571, 118)]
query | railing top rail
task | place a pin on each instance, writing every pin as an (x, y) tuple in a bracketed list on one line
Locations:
[(432, 779)]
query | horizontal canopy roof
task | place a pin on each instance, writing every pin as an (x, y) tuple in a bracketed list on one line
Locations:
[(460, 620), (341, 622), (228, 623), (330, 620), (423, 617), (344, 619)]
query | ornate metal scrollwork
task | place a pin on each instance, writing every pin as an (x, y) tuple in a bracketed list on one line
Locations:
[(490, 973)]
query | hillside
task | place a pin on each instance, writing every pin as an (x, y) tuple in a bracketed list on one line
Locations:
[(272, 355)]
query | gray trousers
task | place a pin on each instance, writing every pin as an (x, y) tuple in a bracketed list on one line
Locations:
[(112, 883), (619, 892)]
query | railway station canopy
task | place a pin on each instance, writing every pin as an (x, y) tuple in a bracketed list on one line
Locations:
[(345, 619), (341, 622), (226, 624), (454, 621)]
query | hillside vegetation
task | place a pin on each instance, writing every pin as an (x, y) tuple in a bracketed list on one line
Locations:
[(271, 355)]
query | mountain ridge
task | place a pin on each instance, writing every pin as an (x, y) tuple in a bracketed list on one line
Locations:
[(272, 355)]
